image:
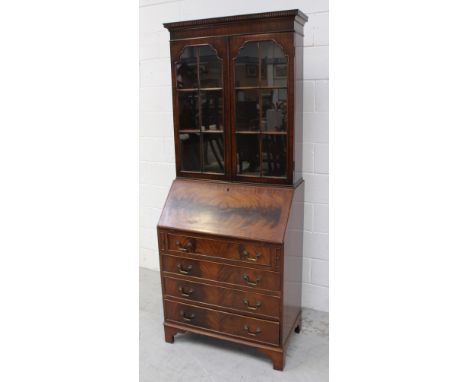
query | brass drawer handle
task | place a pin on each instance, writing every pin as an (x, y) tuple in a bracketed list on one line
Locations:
[(187, 317), (184, 271), (185, 293), (253, 334), (257, 305), (246, 255), (189, 246), (252, 283)]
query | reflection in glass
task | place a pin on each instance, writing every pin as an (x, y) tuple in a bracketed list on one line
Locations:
[(187, 69), (211, 110), (273, 65), (201, 111), (247, 70), (210, 68), (188, 111), (190, 152), (274, 108), (248, 154), (247, 110), (274, 155), (213, 152)]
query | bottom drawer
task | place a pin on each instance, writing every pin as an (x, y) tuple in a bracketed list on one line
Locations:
[(225, 323)]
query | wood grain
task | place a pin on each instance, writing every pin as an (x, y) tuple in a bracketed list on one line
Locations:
[(242, 252), (246, 277), (226, 35), (231, 252), (250, 17), (230, 209), (245, 302), (292, 269), (239, 326)]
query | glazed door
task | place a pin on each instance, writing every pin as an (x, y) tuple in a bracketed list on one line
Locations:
[(262, 92), (199, 75)]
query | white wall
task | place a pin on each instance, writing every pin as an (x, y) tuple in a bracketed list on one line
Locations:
[(157, 168)]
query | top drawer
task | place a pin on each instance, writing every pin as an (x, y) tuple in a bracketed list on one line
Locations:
[(224, 249)]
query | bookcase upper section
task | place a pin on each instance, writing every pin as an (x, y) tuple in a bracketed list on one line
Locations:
[(237, 97)]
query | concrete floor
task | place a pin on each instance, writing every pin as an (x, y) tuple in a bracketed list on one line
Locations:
[(198, 358)]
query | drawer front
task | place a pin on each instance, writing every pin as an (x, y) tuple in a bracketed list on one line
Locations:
[(254, 278), (227, 323), (224, 249), (223, 297)]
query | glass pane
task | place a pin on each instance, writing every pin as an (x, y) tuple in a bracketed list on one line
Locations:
[(190, 152), (187, 69), (247, 113), (213, 152), (274, 108), (188, 111), (210, 68), (274, 65), (247, 65), (212, 109), (248, 154), (274, 155)]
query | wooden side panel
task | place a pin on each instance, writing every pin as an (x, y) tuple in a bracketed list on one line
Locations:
[(292, 267), (298, 105), (252, 212)]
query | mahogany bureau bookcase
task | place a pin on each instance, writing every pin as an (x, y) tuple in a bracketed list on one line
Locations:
[(230, 233)]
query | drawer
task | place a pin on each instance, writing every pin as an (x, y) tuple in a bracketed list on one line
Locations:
[(226, 323), (253, 278), (244, 301), (224, 249)]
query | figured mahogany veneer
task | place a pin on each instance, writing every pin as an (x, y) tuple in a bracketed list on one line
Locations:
[(207, 274), (252, 278), (244, 252), (227, 323), (227, 209), (230, 232), (223, 297)]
